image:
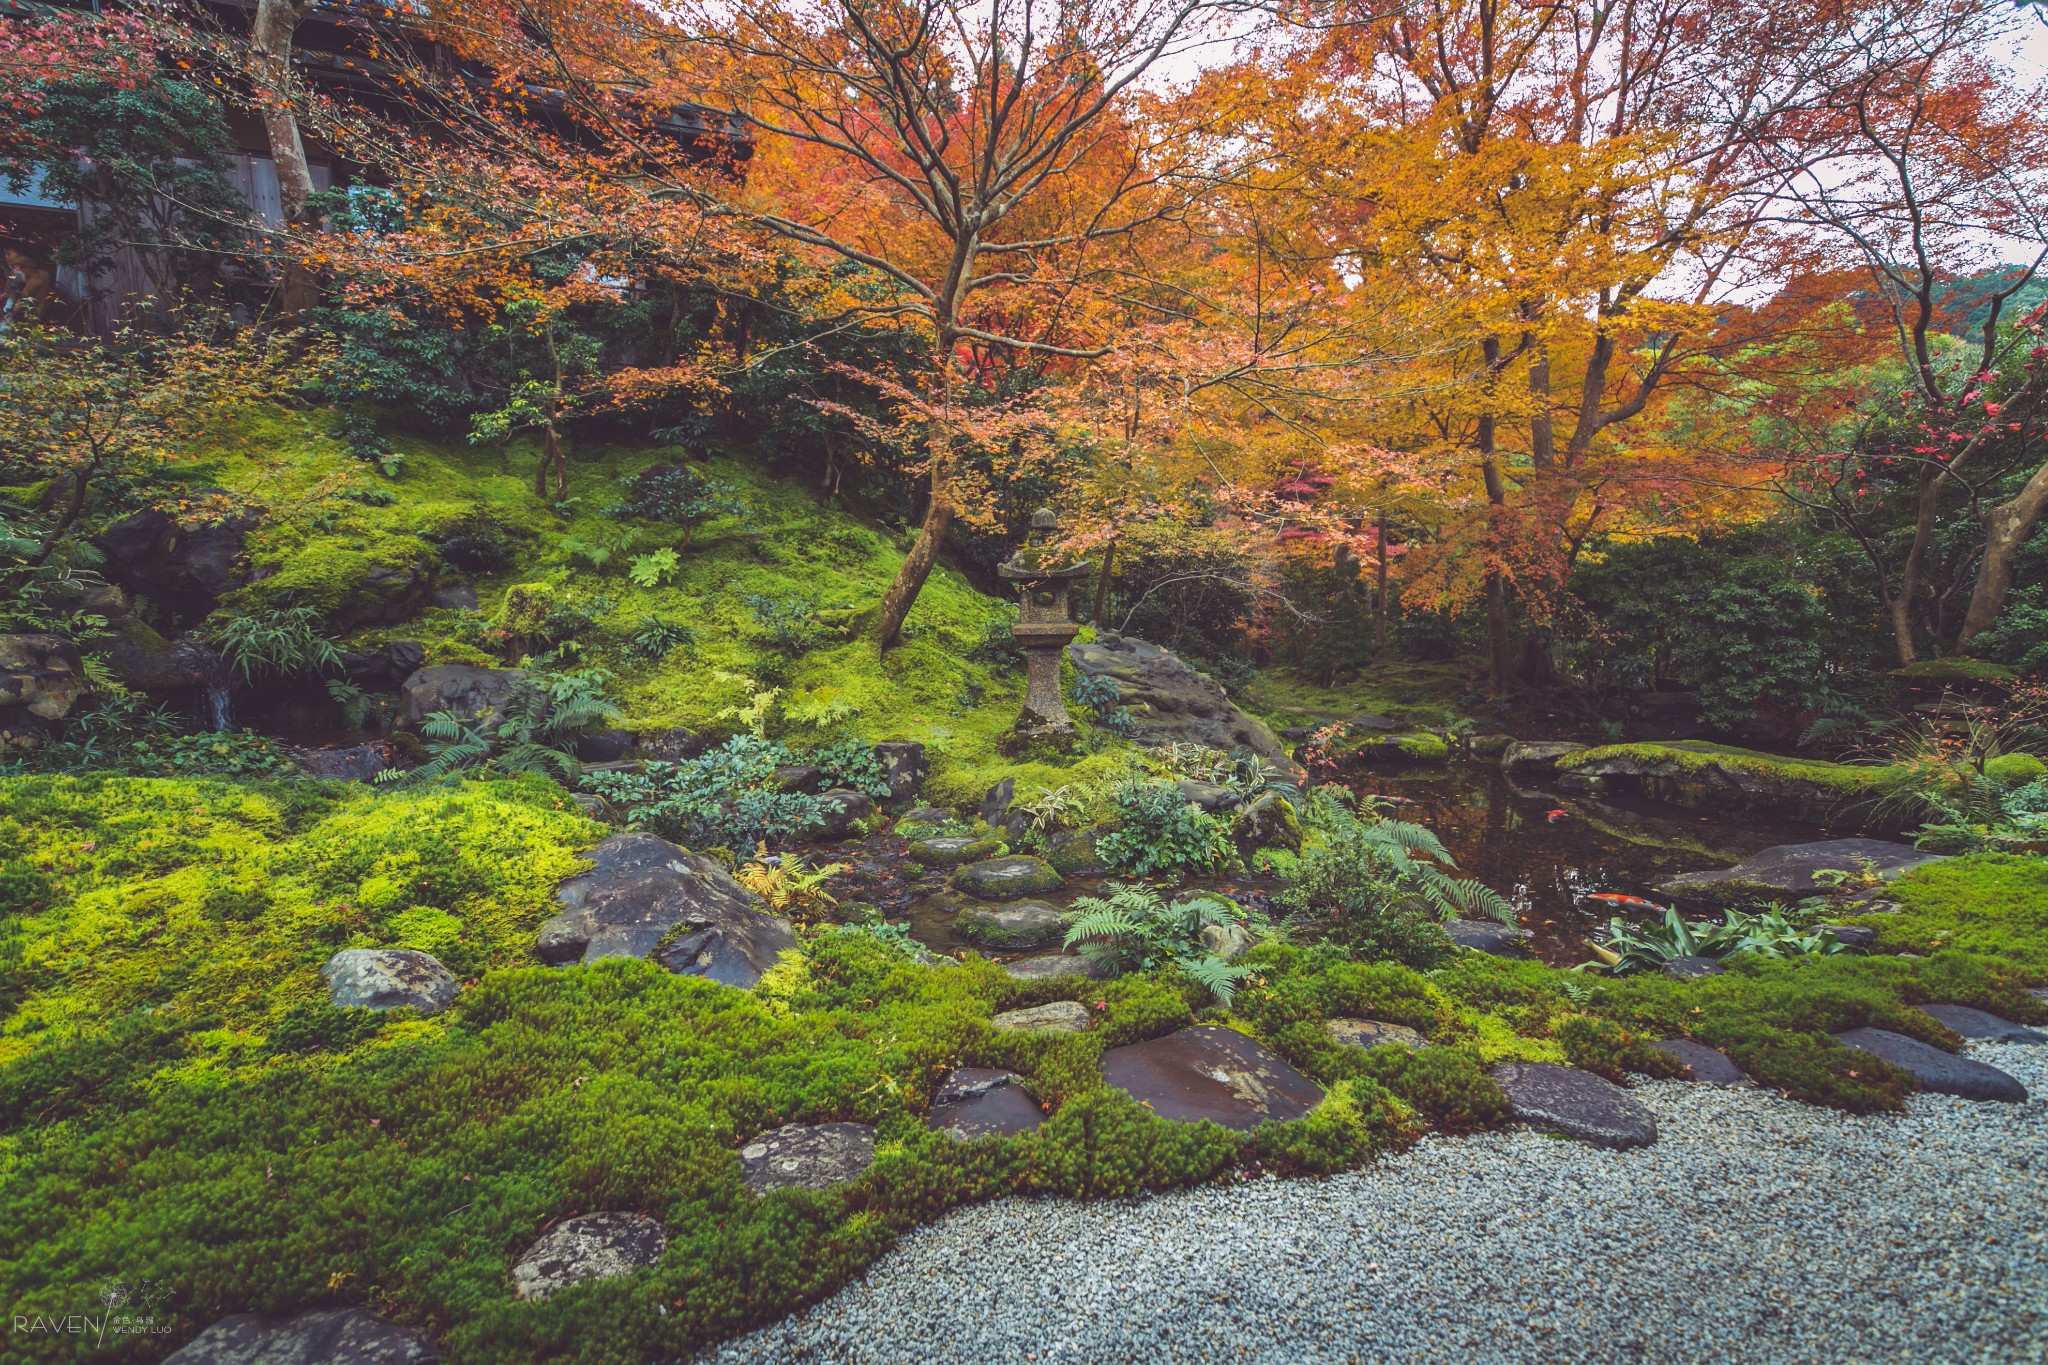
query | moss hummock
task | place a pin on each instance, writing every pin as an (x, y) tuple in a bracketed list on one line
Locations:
[(1717, 776)]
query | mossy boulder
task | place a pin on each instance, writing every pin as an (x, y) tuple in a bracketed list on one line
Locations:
[(2015, 770), (1021, 924), (1710, 776), (1408, 748), (1008, 879), (1267, 821), (1074, 854), (1954, 670), (951, 850)]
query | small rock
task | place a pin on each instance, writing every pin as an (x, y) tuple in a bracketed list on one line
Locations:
[(797, 777), (1060, 1016), (1688, 965), (1703, 1062), (996, 803), (1211, 1073), (904, 768), (672, 745), (843, 808), (1489, 936), (1024, 924), (605, 746), (1227, 941), (596, 1246), (319, 1336), (455, 597), (1535, 758), (356, 763), (807, 1156), (950, 850), (1975, 1023), (977, 1102), (1935, 1069), (1210, 796), (1296, 734), (1576, 1103), (1877, 908), (1007, 879), (925, 815), (1267, 821), (1857, 936), (466, 690), (1372, 1033), (1054, 966), (388, 978)]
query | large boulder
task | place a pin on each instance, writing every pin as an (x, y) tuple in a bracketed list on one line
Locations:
[(978, 1102), (40, 678), (139, 655), (385, 668), (647, 898), (184, 569), (842, 808), (465, 689), (807, 1156), (1576, 1103), (1934, 1069), (596, 1246), (387, 979), (904, 768), (1170, 700), (1268, 820), (319, 1336), (1787, 869), (1007, 879), (1023, 924), (1535, 758), (1719, 777), (1211, 1073)]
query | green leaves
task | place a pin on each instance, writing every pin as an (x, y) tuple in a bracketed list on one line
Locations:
[(654, 570), (1134, 929), (1646, 947)]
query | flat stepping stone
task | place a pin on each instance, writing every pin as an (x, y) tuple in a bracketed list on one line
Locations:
[(1687, 966), (387, 979), (1576, 1103), (1934, 1069), (596, 1246), (949, 850), (1007, 879), (1054, 966), (1217, 1074), (1703, 1063), (979, 1102), (1975, 1023), (1489, 936), (800, 1156), (1061, 1016), (924, 815), (1024, 924), (1787, 869), (1372, 1033), (319, 1336)]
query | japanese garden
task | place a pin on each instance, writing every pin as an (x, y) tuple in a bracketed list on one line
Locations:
[(1023, 680)]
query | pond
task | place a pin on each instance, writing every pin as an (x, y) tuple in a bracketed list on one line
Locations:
[(1545, 852)]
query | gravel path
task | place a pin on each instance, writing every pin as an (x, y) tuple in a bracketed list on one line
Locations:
[(1756, 1229)]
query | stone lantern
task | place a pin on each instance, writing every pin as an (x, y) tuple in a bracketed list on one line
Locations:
[(1044, 626)]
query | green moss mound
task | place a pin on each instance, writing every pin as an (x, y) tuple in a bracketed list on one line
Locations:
[(1955, 670)]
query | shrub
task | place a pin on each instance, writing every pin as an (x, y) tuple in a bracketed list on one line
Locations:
[(1605, 1048), (1161, 831), (1648, 946), (680, 497), (278, 643), (1133, 929), (533, 731), (724, 798), (654, 638)]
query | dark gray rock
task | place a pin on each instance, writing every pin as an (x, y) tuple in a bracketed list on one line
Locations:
[(842, 809), (672, 745), (647, 898), (1055, 967), (1703, 1063), (1212, 797), (1535, 758), (1489, 936), (596, 1246), (1935, 1069), (1976, 1023), (798, 777), (320, 1336), (2040, 993), (1058, 1016), (996, 802), (41, 676), (140, 657), (977, 1102), (1021, 924), (1211, 1073), (1576, 1103), (1372, 1033), (807, 1156), (605, 746), (1295, 734), (356, 763), (1170, 700), (1858, 936), (388, 978), (382, 670), (466, 690), (924, 815), (1007, 879), (904, 768), (455, 597), (184, 569), (1787, 869), (1690, 965)]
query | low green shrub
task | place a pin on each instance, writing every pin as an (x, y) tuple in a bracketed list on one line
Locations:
[(1162, 833)]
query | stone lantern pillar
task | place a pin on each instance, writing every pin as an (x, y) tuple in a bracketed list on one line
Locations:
[(1044, 626)]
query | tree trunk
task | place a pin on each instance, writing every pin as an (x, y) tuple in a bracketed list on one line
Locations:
[(270, 45), (1379, 624), (2006, 528), (1927, 504), (917, 566), (74, 504)]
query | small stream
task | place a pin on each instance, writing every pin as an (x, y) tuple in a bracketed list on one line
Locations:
[(1545, 852)]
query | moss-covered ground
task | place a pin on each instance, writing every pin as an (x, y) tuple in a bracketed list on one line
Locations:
[(178, 1104)]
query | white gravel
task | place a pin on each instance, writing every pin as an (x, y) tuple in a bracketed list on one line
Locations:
[(1755, 1229)]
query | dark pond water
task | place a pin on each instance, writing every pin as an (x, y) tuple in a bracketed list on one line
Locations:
[(1547, 853)]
